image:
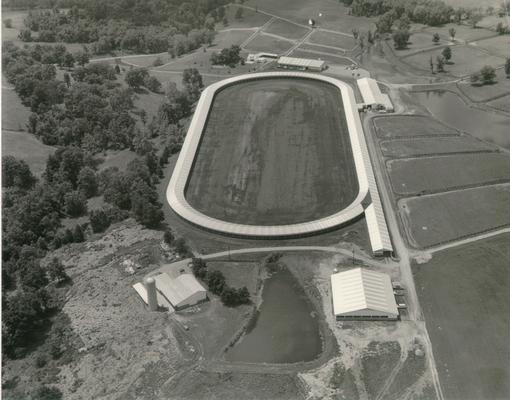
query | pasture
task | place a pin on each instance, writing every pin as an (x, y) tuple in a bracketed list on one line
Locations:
[(463, 293), (497, 45), (407, 126), (486, 92), (441, 173), (286, 29), (429, 146), (274, 152), (332, 39), (320, 55), (503, 103), (14, 113), (269, 44), (434, 219), (465, 60)]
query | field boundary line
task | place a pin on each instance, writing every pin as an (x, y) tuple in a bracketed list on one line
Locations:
[(256, 33)]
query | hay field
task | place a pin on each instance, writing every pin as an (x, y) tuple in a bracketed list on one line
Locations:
[(332, 39), (439, 218), (406, 126), (269, 44), (463, 293), (429, 146), (440, 173), (274, 151)]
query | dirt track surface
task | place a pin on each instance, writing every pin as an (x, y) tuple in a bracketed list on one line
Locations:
[(274, 151)]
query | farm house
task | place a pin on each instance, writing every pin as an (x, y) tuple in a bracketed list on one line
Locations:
[(360, 294)]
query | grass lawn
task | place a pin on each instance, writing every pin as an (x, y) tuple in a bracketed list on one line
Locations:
[(498, 45), (250, 19), (502, 103), (226, 39), (119, 159), (419, 41), (423, 146), (239, 173), (14, 113), (268, 44), (27, 147), (147, 61), (407, 126), (464, 295), (439, 218), (487, 92), (463, 33), (286, 29), (465, 60), (332, 39), (427, 174)]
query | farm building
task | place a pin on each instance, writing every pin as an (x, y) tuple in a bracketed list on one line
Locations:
[(372, 96), (303, 64), (361, 294), (175, 293), (378, 231)]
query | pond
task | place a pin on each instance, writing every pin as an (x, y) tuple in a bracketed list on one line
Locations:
[(451, 109), (285, 328)]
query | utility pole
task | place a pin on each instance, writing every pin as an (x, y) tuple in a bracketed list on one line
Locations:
[(353, 256)]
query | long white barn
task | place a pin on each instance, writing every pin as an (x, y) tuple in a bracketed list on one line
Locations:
[(363, 294)]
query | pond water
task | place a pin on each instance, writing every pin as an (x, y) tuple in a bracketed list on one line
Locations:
[(285, 329), (451, 109)]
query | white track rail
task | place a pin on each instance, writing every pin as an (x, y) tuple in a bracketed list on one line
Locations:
[(177, 186)]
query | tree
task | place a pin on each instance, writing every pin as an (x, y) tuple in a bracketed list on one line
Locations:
[(452, 33), (87, 182), (234, 297), (8, 23), (440, 63), (75, 204), (431, 62), (501, 29), (68, 61), (224, 21), (447, 53), (78, 235), (507, 67), (99, 220), (436, 38), (385, 22), (181, 247), (215, 281), (192, 81), (81, 57), (153, 84), (404, 23), (475, 18), (400, 39), (239, 13), (47, 393), (67, 79), (16, 173), (168, 237), (136, 77), (355, 33), (56, 271), (487, 74), (25, 35), (199, 268)]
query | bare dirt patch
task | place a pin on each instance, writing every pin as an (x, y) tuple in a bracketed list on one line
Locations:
[(435, 219)]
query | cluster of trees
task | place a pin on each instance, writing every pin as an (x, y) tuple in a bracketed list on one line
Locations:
[(138, 77), (486, 75), (215, 280), (145, 27), (229, 56)]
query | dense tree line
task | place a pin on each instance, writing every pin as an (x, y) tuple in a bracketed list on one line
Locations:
[(215, 280), (228, 56), (142, 26)]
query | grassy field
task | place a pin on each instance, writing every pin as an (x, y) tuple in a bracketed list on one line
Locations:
[(14, 114), (463, 33), (424, 146), (487, 92), (497, 45), (465, 60), (286, 29), (268, 44), (435, 174), (250, 19), (148, 61), (407, 126), (419, 41), (332, 39), (464, 295), (502, 103), (25, 146), (228, 38), (240, 174), (443, 217), (304, 51)]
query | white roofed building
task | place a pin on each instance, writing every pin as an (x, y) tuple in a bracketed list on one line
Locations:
[(372, 95), (182, 291), (303, 64), (361, 294)]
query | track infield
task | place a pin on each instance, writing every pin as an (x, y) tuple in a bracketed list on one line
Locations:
[(274, 152)]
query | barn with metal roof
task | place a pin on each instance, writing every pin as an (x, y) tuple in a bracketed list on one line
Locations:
[(372, 95), (303, 64), (361, 294)]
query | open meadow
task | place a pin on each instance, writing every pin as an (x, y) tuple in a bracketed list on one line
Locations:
[(269, 44), (427, 174), (332, 39), (434, 219), (408, 126), (286, 29), (484, 93), (463, 293), (239, 173)]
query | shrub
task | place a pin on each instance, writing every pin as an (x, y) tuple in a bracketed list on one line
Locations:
[(168, 237), (47, 393), (215, 282)]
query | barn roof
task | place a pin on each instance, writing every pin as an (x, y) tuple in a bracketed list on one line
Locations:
[(179, 289), (360, 289)]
